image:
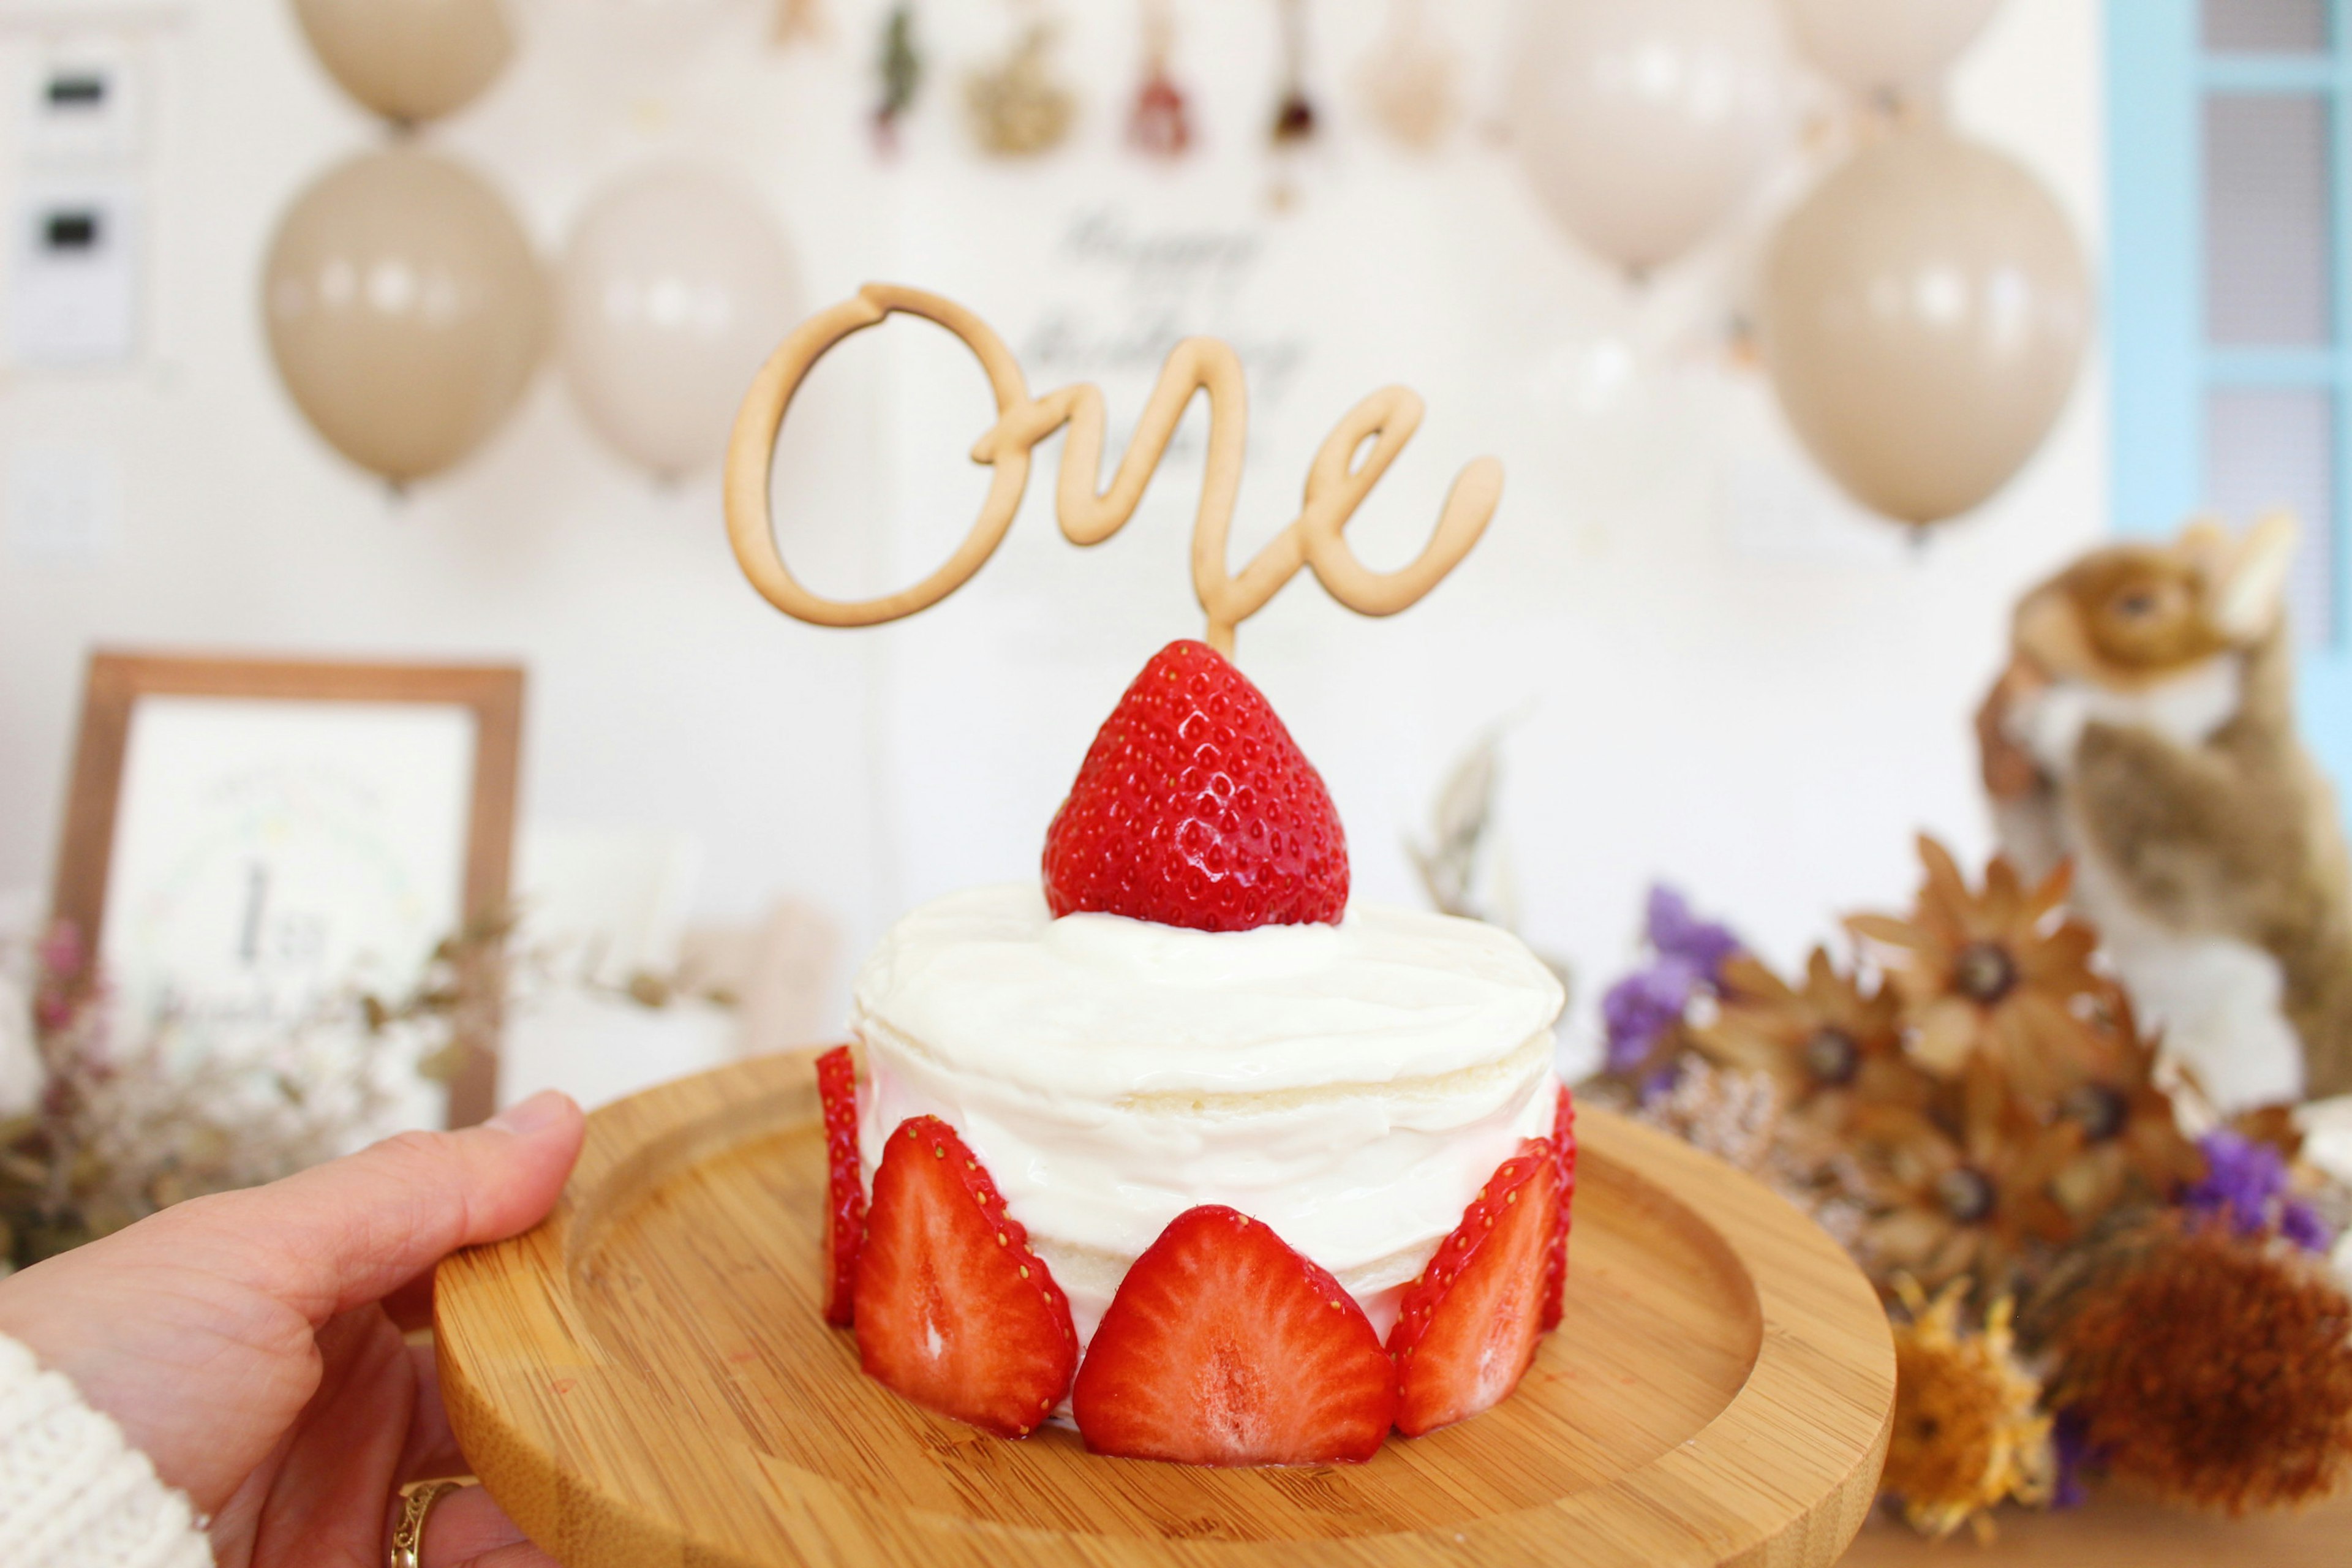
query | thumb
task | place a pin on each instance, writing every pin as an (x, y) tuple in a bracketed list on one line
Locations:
[(344, 1233)]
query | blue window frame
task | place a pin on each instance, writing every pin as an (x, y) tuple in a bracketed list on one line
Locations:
[(2229, 294)]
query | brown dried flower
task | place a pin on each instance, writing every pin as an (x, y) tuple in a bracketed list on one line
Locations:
[(2132, 1147), (2211, 1368), (1827, 1044), (1995, 973), (1979, 1202)]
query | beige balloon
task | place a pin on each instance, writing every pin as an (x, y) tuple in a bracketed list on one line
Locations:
[(409, 60), (1885, 46), (1922, 315), (404, 309)]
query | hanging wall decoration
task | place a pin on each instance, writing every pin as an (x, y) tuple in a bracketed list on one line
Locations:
[(405, 309), (799, 22), (900, 68), (1411, 80), (1017, 106), (1644, 127), (1161, 123), (1886, 47), (672, 288), (1294, 111), (409, 60), (1922, 315)]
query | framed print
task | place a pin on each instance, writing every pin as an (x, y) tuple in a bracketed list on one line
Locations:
[(244, 837)]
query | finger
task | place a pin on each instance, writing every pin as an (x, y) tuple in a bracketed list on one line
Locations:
[(432, 1448), (324, 1501), (409, 1304), (345, 1233), (522, 1554), (466, 1530)]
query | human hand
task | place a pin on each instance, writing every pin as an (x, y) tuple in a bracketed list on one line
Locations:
[(249, 1344)]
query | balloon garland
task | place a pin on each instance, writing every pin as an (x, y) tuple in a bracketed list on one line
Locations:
[(1923, 308), (405, 314)]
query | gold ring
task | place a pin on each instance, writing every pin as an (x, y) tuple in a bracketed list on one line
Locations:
[(409, 1534)]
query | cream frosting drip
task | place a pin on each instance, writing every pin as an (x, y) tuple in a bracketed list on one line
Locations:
[(1352, 1086)]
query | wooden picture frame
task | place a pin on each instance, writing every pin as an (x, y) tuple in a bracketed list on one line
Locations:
[(118, 681)]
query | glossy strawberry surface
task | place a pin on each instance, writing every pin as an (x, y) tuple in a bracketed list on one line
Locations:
[(845, 1197), (1223, 1346), (1195, 808), (1563, 1144), (1467, 1329), (954, 1309)]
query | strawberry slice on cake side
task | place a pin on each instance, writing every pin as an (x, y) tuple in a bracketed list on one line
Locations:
[(954, 1309), (1563, 1149), (1467, 1329), (845, 1196), (1223, 1346)]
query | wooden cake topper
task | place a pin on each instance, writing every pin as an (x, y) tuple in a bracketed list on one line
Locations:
[(1337, 483)]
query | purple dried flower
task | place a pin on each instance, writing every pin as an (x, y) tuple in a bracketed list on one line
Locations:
[(1643, 1006), (2301, 1224), (2246, 1184), (2070, 1443), (1676, 932), (2242, 1176)]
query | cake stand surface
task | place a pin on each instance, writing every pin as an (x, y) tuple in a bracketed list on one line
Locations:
[(645, 1380)]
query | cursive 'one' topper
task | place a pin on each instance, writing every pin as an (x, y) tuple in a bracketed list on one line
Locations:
[(1337, 483)]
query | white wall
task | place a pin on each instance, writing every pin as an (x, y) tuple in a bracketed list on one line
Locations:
[(1716, 674)]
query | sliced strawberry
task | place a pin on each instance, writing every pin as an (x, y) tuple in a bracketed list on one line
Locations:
[(954, 1309), (1224, 1347), (1467, 1328), (1195, 808), (845, 1195), (1563, 1143)]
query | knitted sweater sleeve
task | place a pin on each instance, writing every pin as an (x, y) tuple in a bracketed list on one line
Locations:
[(73, 1494)]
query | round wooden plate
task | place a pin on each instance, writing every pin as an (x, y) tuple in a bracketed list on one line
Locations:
[(644, 1379)]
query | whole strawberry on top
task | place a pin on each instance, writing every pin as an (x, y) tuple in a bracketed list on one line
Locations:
[(1195, 808)]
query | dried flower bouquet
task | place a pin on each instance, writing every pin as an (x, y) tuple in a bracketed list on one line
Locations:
[(2092, 1276)]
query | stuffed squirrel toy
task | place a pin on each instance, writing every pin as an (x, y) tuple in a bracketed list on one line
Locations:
[(2144, 730)]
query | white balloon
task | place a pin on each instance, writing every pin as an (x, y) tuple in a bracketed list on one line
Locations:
[(1645, 123), (1883, 46), (674, 289)]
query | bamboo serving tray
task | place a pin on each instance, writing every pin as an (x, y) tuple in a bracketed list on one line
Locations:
[(645, 1380)]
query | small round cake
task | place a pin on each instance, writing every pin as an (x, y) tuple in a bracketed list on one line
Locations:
[(1178, 1141), (1352, 1086)]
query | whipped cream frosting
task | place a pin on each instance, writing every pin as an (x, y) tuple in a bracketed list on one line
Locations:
[(1352, 1086)]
